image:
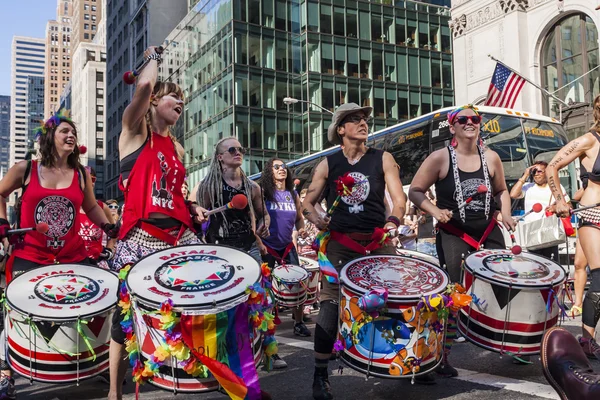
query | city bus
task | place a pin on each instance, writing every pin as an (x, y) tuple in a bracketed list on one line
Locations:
[(520, 138)]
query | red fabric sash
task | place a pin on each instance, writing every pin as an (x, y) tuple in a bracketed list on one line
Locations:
[(161, 234), (278, 258), (466, 238), (351, 244)]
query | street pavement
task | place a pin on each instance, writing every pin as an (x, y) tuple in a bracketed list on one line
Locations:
[(483, 375)]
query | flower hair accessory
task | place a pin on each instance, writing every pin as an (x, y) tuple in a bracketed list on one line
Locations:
[(51, 123)]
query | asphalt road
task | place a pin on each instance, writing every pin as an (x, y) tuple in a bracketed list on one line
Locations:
[(483, 375)]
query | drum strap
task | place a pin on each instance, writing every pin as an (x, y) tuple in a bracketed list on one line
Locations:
[(353, 245), (280, 258), (466, 238), (161, 234)]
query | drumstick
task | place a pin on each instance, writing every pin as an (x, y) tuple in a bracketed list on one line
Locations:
[(584, 208), (42, 227), (481, 189), (239, 202), (129, 77), (515, 249), (296, 183), (537, 207)]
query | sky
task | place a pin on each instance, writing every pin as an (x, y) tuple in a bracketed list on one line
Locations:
[(22, 18)]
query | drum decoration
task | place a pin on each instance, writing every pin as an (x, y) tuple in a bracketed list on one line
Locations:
[(290, 285), (58, 322), (175, 343), (392, 315), (514, 300), (312, 291)]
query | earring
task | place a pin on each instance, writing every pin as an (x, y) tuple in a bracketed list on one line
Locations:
[(453, 143)]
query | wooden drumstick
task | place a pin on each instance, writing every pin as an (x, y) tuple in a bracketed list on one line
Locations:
[(239, 202)]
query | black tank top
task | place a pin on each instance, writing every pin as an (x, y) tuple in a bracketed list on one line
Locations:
[(364, 209), (594, 174), (445, 191), (236, 230), (584, 175)]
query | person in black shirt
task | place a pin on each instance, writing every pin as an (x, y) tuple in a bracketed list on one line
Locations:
[(353, 220)]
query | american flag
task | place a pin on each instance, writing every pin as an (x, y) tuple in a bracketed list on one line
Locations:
[(505, 87)]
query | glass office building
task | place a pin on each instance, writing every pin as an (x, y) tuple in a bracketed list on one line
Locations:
[(238, 59)]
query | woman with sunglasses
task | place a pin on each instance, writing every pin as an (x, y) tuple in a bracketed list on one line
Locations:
[(155, 215), (54, 188), (225, 179), (285, 211), (457, 171), (587, 148), (113, 206), (100, 249)]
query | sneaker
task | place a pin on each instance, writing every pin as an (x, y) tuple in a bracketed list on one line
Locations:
[(321, 387), (590, 347), (278, 362), (446, 370), (7, 388), (460, 339), (301, 330)]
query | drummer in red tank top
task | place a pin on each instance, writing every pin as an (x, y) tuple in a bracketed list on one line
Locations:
[(155, 214), (54, 187)]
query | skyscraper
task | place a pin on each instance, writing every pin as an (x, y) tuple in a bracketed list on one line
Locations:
[(58, 55), (87, 14), (28, 59), (131, 27), (35, 109), (4, 134)]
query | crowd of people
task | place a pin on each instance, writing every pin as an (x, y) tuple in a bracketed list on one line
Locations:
[(279, 224)]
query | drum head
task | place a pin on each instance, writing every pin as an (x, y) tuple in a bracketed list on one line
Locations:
[(63, 292), (290, 273), (523, 270), (406, 277), (309, 264), (193, 276)]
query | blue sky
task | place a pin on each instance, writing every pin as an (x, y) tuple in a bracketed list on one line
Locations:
[(22, 18)]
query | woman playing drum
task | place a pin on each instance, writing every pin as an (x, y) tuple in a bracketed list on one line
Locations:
[(587, 146), (54, 188), (283, 205), (155, 215), (457, 172)]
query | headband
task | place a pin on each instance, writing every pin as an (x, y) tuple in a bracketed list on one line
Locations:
[(452, 114)]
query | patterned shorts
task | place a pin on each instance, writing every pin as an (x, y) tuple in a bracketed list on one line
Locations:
[(139, 243), (590, 217)]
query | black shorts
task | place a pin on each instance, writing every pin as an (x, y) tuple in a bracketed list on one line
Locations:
[(116, 332)]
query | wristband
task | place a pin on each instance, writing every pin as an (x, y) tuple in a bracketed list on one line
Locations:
[(393, 220), (155, 56)]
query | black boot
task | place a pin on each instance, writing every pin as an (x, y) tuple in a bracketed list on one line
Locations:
[(321, 386)]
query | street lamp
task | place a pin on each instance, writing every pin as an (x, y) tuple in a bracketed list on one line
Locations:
[(290, 100)]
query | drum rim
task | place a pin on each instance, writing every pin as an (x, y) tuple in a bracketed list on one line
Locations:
[(278, 279), (394, 298), (205, 306), (515, 285), (38, 317)]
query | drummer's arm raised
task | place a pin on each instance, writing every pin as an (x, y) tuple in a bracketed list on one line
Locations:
[(12, 181), (315, 189)]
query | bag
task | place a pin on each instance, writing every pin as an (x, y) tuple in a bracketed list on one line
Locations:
[(543, 232)]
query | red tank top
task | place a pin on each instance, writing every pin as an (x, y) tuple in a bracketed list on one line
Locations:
[(154, 185), (91, 234), (59, 208)]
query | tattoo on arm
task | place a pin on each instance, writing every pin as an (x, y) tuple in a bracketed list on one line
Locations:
[(566, 153), (555, 189), (305, 212)]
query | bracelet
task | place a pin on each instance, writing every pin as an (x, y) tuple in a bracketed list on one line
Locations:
[(393, 220), (155, 56)]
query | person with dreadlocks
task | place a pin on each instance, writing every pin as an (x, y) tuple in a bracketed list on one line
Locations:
[(225, 179), (100, 249), (457, 172), (285, 210), (155, 215), (54, 188)]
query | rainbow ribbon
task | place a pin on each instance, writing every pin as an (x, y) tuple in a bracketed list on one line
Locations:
[(327, 269)]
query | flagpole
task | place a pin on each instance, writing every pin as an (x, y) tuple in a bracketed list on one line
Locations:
[(527, 80)]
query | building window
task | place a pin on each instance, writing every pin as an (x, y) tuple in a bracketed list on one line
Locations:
[(86, 35), (86, 7), (86, 17), (86, 26), (569, 51)]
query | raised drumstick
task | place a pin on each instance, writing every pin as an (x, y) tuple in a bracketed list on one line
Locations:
[(296, 183), (239, 202), (537, 207), (481, 189), (130, 77)]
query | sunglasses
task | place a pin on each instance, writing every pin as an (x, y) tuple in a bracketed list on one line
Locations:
[(357, 119), (463, 119), (538, 172), (93, 179), (113, 206), (277, 166), (233, 150)]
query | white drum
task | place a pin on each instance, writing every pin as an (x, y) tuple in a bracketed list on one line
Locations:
[(206, 283), (514, 300), (314, 280), (290, 284), (45, 307)]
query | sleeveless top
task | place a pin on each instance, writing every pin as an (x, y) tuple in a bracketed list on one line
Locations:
[(584, 175), (91, 234), (231, 227), (154, 185), (448, 197), (594, 174), (364, 209), (59, 208), (282, 211)]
